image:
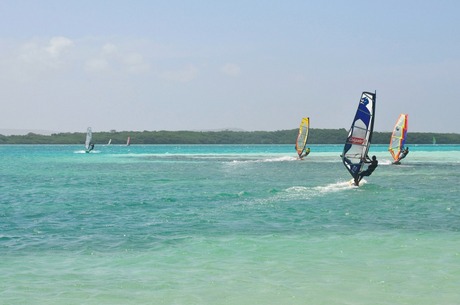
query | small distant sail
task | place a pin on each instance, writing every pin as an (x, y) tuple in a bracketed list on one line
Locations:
[(434, 140), (302, 137), (398, 137), (360, 134), (128, 142), (110, 142), (89, 136)]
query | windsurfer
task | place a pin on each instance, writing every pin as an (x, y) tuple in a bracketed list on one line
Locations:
[(91, 147), (370, 169), (305, 153), (404, 153)]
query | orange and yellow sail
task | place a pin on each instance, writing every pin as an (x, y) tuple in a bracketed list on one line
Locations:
[(398, 137), (302, 137)]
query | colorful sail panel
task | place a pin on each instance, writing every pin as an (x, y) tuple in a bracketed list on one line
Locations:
[(302, 137), (89, 136), (360, 134), (398, 137)]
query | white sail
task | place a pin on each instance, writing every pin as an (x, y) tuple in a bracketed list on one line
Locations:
[(89, 136)]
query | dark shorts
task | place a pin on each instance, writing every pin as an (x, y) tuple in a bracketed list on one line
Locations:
[(365, 173)]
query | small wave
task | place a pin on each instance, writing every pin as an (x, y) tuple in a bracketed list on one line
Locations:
[(232, 195), (280, 159), (296, 189), (84, 152), (257, 160), (385, 162), (305, 193), (338, 186), (329, 188)]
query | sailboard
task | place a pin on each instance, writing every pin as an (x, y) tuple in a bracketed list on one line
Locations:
[(89, 137), (360, 135), (128, 141), (398, 137), (110, 142), (302, 137)]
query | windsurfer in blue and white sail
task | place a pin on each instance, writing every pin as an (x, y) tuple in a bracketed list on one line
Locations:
[(370, 169), (359, 140)]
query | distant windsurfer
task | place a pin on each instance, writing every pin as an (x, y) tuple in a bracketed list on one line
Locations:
[(90, 148), (370, 169), (305, 153), (402, 155)]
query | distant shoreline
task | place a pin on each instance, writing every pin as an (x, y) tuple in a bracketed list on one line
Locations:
[(317, 136)]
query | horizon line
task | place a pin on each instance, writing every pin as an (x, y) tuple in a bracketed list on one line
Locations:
[(23, 132)]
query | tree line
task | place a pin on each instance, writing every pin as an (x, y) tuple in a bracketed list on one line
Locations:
[(317, 136)]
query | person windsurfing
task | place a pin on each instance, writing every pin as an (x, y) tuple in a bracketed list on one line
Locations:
[(91, 147), (402, 155), (305, 153), (370, 169)]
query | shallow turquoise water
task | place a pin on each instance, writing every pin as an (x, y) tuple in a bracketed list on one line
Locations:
[(226, 224)]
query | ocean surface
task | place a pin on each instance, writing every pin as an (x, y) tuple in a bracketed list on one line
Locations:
[(227, 224)]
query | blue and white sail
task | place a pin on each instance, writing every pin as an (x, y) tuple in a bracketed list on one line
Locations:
[(360, 135)]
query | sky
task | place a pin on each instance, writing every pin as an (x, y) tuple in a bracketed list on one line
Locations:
[(241, 64)]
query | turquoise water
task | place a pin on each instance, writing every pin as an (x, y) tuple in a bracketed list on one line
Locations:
[(226, 224)]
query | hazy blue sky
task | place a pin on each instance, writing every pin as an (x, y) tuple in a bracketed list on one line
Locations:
[(201, 65)]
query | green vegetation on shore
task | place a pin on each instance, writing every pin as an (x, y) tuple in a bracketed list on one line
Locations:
[(317, 136)]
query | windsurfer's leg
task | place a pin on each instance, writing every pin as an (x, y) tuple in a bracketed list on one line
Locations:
[(357, 179)]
